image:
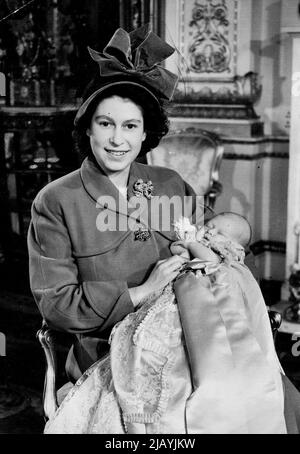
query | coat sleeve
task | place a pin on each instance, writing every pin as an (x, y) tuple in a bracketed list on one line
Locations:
[(66, 303)]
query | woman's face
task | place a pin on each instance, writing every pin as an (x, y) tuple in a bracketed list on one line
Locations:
[(116, 134)]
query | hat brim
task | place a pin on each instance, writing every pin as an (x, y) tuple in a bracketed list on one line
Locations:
[(84, 106)]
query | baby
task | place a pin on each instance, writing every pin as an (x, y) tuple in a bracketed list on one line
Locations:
[(223, 238), (233, 363)]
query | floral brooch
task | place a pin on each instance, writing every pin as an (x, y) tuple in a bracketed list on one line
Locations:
[(141, 189), (142, 234)]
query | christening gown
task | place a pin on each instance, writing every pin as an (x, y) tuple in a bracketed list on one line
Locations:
[(197, 358)]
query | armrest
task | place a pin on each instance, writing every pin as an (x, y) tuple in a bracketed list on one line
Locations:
[(46, 337)]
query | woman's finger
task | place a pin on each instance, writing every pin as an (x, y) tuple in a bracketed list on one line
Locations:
[(175, 259), (174, 275), (159, 262), (171, 268), (178, 249)]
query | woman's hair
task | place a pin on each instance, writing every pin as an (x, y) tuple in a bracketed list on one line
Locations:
[(156, 123)]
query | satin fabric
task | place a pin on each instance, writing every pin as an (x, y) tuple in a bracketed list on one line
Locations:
[(235, 371)]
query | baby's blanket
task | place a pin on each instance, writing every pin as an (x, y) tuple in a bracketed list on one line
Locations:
[(234, 366)]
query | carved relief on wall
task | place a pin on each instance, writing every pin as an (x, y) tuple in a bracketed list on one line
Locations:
[(208, 38), (210, 50)]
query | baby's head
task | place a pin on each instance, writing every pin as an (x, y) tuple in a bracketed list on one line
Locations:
[(231, 225)]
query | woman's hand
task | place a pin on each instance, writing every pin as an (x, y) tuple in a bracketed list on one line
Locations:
[(180, 248), (163, 272)]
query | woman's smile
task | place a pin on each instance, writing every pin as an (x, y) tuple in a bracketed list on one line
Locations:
[(116, 134), (116, 153)]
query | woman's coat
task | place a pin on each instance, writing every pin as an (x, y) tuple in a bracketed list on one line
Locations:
[(80, 273)]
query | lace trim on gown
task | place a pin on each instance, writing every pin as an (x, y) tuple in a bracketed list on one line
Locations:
[(142, 358)]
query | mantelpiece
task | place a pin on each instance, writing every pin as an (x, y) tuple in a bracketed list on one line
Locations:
[(231, 127)]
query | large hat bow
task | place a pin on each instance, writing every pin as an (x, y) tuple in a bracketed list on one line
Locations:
[(138, 54)]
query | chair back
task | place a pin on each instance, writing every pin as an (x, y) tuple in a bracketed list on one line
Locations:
[(194, 153)]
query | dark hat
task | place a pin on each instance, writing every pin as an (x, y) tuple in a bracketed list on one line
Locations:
[(133, 59)]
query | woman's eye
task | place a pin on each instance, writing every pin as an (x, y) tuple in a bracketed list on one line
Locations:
[(131, 126), (104, 124)]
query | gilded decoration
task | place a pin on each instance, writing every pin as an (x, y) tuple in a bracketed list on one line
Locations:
[(210, 50)]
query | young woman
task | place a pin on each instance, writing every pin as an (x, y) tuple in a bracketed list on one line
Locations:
[(95, 260), (87, 276)]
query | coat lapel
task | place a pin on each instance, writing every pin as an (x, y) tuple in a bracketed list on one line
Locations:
[(101, 189)]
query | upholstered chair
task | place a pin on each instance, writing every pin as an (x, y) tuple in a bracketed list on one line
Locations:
[(196, 154)]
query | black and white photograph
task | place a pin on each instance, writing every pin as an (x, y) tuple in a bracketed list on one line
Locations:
[(150, 219)]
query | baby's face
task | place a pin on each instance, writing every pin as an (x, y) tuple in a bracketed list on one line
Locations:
[(220, 225), (216, 224)]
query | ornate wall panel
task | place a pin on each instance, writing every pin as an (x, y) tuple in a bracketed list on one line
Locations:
[(213, 60), (208, 38)]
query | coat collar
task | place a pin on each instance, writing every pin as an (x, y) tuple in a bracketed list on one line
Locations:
[(96, 182), (98, 185)]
